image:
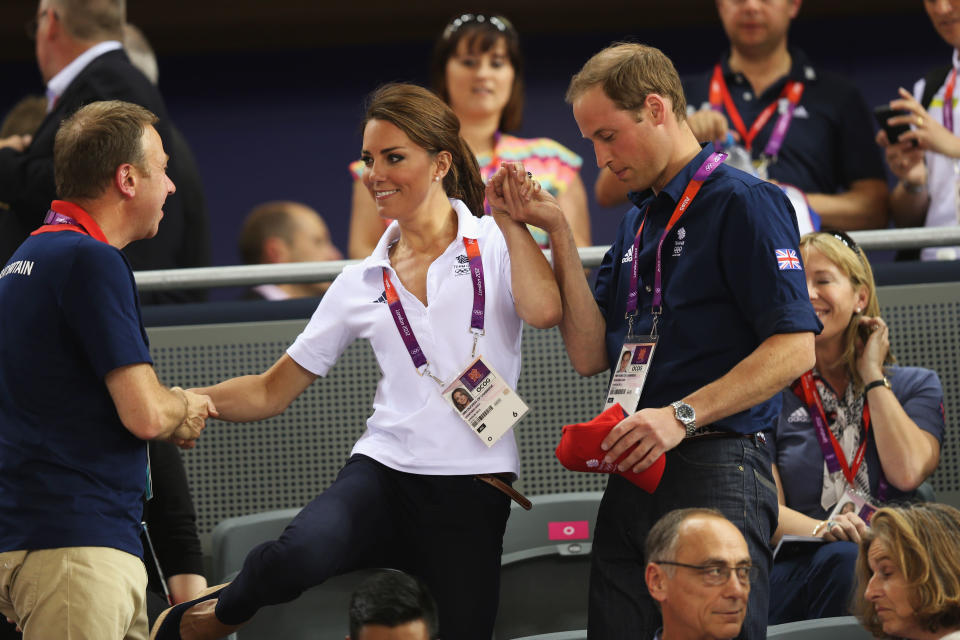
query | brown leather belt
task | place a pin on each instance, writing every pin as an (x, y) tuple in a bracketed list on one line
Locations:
[(494, 481)]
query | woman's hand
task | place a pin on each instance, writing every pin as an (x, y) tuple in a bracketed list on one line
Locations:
[(845, 526), (514, 193), (927, 133), (873, 351)]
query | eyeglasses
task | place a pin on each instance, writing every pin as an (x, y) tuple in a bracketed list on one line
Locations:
[(34, 23), (848, 242), (715, 575), (497, 22)]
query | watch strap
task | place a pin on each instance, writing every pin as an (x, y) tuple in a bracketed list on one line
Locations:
[(882, 382)]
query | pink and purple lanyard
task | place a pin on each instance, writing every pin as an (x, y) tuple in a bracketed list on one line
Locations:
[(721, 99), (476, 317), (806, 389), (693, 187), (948, 101)]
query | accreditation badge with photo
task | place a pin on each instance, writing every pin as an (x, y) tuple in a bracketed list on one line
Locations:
[(630, 373), (484, 401)]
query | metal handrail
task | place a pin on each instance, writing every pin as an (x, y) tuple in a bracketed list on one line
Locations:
[(246, 275)]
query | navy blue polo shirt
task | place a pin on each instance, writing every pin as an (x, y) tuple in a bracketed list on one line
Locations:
[(70, 473), (723, 290), (829, 144)]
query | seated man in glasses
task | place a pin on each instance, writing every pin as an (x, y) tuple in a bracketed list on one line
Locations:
[(698, 571)]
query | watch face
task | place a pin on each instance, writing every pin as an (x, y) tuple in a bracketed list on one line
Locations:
[(685, 413)]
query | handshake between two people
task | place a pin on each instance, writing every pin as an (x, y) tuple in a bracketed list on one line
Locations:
[(197, 408)]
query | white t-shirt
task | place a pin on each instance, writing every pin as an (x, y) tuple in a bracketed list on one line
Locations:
[(941, 175), (412, 428)]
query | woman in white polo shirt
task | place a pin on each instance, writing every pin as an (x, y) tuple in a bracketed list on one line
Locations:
[(444, 295)]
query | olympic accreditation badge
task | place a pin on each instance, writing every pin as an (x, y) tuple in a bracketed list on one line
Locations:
[(630, 373), (484, 401)]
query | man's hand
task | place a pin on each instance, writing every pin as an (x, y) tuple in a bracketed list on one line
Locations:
[(199, 408), (651, 432), (709, 125)]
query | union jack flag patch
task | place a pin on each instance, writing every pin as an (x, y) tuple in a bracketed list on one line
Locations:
[(787, 259)]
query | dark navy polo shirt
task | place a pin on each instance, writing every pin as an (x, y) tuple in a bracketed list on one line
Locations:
[(795, 449), (723, 290), (70, 473), (829, 144)]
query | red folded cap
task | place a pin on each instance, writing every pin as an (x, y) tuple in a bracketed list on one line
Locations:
[(579, 450)]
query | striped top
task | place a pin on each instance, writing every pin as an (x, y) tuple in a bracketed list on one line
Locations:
[(554, 165)]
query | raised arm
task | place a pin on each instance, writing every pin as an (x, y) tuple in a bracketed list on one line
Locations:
[(256, 397), (582, 324), (535, 291), (908, 454)]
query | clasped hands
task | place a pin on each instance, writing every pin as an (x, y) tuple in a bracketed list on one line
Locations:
[(198, 409), (516, 195)]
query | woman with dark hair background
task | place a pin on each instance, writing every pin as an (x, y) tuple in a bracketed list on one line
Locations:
[(477, 68)]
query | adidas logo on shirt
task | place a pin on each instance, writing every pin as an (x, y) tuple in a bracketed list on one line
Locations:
[(799, 415), (628, 256), (382, 298)]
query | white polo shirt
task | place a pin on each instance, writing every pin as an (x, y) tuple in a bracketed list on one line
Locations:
[(412, 428), (942, 175)]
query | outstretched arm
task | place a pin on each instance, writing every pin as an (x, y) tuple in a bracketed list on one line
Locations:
[(256, 397)]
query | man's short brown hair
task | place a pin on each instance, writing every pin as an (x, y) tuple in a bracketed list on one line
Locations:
[(628, 72), (93, 142), (92, 20)]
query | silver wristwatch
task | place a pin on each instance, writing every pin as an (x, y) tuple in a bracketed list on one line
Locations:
[(686, 415)]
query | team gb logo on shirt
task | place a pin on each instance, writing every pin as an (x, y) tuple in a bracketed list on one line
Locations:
[(678, 243)]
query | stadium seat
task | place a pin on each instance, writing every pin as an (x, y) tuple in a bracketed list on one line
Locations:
[(546, 567), (842, 628)]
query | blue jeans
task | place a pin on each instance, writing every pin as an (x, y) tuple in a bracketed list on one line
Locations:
[(447, 530), (730, 474), (814, 584)]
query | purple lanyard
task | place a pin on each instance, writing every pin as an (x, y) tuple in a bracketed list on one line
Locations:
[(693, 187), (403, 324), (806, 390), (794, 91)]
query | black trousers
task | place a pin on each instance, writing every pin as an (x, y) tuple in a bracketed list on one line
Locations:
[(446, 530)]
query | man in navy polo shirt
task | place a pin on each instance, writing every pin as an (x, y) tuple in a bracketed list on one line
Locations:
[(733, 320), (78, 393), (826, 150)]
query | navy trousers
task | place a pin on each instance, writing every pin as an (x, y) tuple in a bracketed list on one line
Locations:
[(815, 584), (730, 474), (447, 530)]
